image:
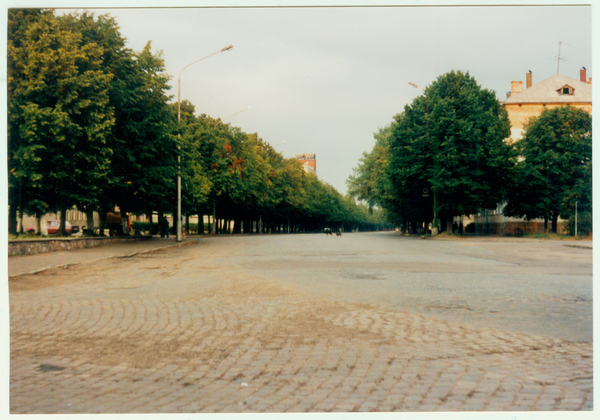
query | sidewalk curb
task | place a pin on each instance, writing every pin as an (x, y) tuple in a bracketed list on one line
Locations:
[(580, 246), (191, 242), (40, 270)]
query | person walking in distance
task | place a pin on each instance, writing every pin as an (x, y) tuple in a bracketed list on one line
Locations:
[(164, 227)]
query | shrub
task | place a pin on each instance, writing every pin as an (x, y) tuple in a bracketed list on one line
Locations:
[(144, 227), (584, 224)]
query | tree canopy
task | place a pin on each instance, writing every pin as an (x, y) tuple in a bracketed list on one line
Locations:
[(448, 154), (59, 113), (554, 170), (91, 125)]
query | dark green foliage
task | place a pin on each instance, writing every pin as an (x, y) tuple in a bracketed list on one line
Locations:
[(59, 115), (585, 225), (195, 184), (90, 125), (370, 181), (555, 166), (450, 141)]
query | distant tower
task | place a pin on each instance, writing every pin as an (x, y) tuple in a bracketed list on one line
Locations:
[(308, 161)]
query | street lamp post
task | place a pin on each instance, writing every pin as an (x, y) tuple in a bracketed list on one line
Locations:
[(179, 234)]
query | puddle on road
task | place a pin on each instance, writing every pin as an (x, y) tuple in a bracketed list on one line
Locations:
[(362, 276)]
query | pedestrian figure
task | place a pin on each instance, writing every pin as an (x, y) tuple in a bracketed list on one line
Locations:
[(454, 227), (164, 227), (460, 228)]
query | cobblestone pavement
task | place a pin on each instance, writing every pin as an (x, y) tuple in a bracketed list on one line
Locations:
[(306, 323)]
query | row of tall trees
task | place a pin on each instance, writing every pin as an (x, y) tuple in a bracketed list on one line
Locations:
[(91, 125), (239, 178), (449, 154)]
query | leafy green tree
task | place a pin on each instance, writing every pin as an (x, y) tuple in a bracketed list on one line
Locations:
[(555, 166), (411, 165), (117, 61), (61, 116), (255, 168), (451, 141), (370, 181), (145, 163), (287, 179), (195, 184), (225, 154), (143, 167), (19, 20)]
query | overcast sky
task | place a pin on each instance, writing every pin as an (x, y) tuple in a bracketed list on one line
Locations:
[(323, 80)]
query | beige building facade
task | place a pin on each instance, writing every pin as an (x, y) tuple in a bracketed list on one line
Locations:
[(555, 91), (522, 105)]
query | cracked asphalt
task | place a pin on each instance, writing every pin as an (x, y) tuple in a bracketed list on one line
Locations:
[(366, 322)]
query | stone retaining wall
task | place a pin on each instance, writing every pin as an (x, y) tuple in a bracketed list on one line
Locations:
[(39, 246), (518, 228)]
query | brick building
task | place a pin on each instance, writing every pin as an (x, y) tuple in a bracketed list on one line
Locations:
[(308, 161)]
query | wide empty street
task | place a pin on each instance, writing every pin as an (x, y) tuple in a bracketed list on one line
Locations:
[(309, 323)]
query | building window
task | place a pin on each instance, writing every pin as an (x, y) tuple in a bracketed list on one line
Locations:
[(566, 90)]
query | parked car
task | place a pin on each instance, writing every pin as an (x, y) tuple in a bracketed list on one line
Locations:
[(53, 227)]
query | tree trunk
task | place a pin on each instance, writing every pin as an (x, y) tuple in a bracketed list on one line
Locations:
[(175, 221), (12, 214), (89, 214), (149, 217), (102, 216), (38, 222), (63, 220), (214, 218)]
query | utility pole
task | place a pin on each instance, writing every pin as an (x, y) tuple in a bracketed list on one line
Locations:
[(576, 219)]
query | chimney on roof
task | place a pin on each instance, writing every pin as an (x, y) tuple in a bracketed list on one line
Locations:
[(516, 87), (583, 75), (529, 79)]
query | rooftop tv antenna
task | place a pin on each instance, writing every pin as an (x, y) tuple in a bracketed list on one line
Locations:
[(563, 59)]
